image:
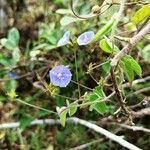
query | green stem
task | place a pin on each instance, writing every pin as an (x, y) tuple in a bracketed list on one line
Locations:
[(99, 65), (19, 132), (118, 18), (81, 85), (93, 78), (77, 76), (37, 107), (99, 100)]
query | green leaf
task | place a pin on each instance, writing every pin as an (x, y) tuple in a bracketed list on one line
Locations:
[(146, 53), (34, 53), (97, 95), (136, 67), (105, 46), (10, 85), (141, 14), (62, 116), (3, 41), (105, 69), (16, 55), (63, 11), (4, 60), (101, 107), (130, 67), (8, 44), (104, 30), (99, 91), (12, 41), (67, 20), (14, 36), (129, 73), (131, 26), (43, 114), (25, 121), (72, 109)]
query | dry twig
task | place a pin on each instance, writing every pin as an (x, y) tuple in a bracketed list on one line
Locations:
[(134, 128), (133, 41), (92, 126)]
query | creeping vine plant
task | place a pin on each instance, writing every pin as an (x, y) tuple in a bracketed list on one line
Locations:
[(62, 74)]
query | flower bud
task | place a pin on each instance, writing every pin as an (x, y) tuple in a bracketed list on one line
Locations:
[(96, 9)]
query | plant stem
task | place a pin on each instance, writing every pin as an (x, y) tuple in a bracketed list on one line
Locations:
[(118, 94), (81, 85), (118, 18), (99, 100), (37, 107), (133, 41), (77, 76), (99, 65)]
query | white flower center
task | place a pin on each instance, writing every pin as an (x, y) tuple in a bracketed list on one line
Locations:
[(59, 75)]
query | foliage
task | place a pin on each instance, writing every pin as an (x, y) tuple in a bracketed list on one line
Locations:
[(55, 62), (141, 14)]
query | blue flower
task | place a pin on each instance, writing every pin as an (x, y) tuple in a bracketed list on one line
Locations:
[(85, 38), (12, 75), (65, 39), (60, 76)]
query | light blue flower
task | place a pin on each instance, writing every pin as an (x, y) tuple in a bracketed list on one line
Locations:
[(12, 75), (85, 38), (60, 76), (65, 39)]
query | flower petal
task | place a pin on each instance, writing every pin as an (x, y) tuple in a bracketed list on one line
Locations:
[(12, 75), (60, 76), (64, 40), (85, 38)]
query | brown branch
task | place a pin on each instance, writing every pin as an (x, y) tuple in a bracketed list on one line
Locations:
[(133, 41), (141, 113), (141, 104), (146, 89), (135, 115), (118, 94), (134, 128), (144, 23), (92, 14), (138, 81), (133, 3), (84, 146), (120, 98), (72, 9), (85, 123)]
